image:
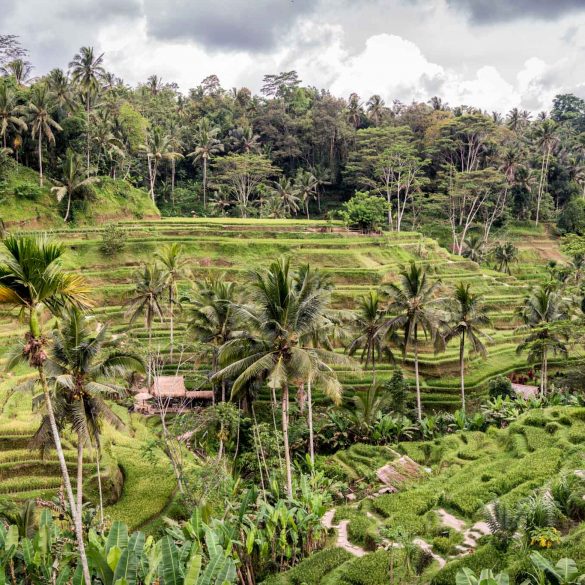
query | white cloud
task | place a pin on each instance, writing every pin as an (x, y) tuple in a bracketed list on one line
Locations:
[(325, 56)]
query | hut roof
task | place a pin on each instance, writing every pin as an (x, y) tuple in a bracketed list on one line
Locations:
[(199, 394), (169, 387), (142, 396)]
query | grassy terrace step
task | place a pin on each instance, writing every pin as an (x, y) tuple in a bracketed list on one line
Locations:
[(355, 263)]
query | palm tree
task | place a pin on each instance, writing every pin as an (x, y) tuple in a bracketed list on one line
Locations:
[(154, 84), (474, 248), (281, 316), (504, 254), (31, 279), (10, 112), (285, 190), (371, 328), (546, 138), (306, 184), (376, 109), (82, 376), (243, 139), (41, 122), (146, 300), (214, 318), (543, 311), (20, 70), (468, 315), (207, 145), (173, 262), (411, 302), (72, 177), (158, 148), (354, 110), (87, 71), (60, 87)]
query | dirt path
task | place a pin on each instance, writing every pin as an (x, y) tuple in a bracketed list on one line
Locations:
[(470, 535), (342, 537), (343, 540), (424, 545)]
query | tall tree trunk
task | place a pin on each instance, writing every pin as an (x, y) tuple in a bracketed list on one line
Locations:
[(171, 316), (41, 157), (80, 479), (287, 463), (310, 419), (544, 372), (173, 182), (75, 513), (462, 369), (100, 490), (204, 182), (169, 452), (416, 376), (67, 211), (87, 132)]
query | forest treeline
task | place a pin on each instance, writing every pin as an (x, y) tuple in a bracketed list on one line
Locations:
[(292, 149)]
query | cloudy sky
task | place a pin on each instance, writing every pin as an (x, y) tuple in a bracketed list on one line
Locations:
[(495, 54)]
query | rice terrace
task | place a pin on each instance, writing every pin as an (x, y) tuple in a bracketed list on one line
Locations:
[(291, 332)]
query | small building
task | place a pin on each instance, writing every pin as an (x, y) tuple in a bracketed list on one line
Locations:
[(173, 391)]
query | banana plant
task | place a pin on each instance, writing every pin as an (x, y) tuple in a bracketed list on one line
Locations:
[(467, 577), (565, 572)]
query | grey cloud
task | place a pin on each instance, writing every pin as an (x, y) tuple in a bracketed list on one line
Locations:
[(495, 11), (227, 24)]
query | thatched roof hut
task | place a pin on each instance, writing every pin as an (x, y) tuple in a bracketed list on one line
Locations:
[(169, 387)]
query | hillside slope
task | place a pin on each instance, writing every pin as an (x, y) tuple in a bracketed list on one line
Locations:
[(355, 264), (24, 203)]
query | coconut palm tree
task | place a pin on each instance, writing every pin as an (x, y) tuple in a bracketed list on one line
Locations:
[(173, 264), (467, 316), (72, 179), (306, 185), (546, 138), (370, 326), (474, 248), (40, 120), (543, 314), (243, 139), (207, 146), (10, 112), (411, 302), (59, 84), (32, 280), (20, 70), (87, 71), (214, 318), (150, 285), (159, 147), (327, 328), (376, 109), (504, 254), (285, 190), (82, 375), (280, 316), (354, 110)]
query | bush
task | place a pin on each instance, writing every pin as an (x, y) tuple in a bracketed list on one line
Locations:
[(113, 240), (486, 557), (28, 192), (572, 218), (364, 212), (312, 569), (500, 386)]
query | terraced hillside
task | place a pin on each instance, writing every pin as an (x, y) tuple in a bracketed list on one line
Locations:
[(443, 489), (355, 263), (135, 490)]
